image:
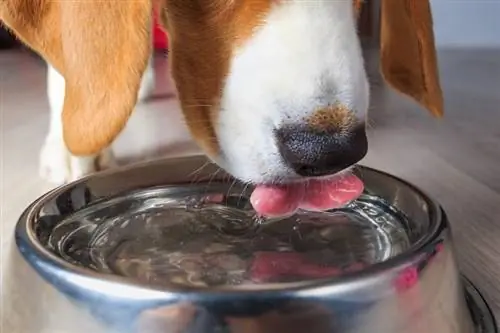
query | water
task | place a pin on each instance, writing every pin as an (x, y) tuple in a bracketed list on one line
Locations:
[(215, 239)]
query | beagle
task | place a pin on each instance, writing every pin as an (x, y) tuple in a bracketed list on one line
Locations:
[(274, 91)]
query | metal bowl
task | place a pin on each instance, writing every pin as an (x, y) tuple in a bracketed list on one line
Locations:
[(174, 246)]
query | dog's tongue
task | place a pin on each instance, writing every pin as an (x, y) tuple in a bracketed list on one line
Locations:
[(318, 195)]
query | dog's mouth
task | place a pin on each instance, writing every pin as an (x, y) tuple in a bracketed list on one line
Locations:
[(312, 194)]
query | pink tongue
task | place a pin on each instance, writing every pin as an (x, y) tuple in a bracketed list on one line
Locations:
[(316, 195)]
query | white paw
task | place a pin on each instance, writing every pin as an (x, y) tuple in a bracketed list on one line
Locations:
[(147, 84), (58, 166)]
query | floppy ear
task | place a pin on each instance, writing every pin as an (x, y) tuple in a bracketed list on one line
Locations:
[(101, 47), (408, 54)]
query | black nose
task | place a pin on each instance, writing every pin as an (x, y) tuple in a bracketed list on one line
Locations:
[(313, 153)]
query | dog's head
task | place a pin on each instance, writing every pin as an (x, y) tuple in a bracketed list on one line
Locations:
[(273, 91)]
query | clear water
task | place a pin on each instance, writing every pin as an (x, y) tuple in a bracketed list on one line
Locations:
[(164, 237)]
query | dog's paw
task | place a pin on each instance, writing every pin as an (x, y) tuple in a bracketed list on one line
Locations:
[(58, 166)]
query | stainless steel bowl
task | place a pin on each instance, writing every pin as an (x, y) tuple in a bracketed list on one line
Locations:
[(174, 246)]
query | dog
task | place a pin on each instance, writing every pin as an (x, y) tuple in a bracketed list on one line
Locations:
[(273, 91)]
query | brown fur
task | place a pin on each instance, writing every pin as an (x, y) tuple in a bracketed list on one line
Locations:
[(101, 49), (408, 54), (336, 118), (202, 39)]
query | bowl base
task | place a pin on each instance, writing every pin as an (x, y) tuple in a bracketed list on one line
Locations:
[(482, 315)]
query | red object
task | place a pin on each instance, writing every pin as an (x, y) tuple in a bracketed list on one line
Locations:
[(160, 40), (270, 266), (407, 279)]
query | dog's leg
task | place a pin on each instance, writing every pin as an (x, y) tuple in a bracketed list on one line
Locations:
[(148, 81), (57, 165)]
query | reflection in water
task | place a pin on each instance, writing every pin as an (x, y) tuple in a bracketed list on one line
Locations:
[(217, 240)]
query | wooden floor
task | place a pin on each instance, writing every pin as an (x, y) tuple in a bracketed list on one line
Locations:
[(456, 160)]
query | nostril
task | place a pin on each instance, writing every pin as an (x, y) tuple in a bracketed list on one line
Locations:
[(311, 153), (308, 170)]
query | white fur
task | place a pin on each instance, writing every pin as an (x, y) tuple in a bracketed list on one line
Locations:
[(57, 164), (304, 57)]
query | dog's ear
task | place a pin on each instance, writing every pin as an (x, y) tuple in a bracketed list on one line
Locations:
[(408, 53), (101, 47)]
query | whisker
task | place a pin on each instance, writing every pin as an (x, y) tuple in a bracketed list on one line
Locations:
[(358, 169), (243, 192), (196, 172), (227, 178), (214, 174), (230, 187)]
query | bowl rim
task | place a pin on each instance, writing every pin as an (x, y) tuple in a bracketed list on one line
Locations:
[(50, 265)]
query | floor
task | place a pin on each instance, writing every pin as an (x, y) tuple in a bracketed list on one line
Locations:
[(455, 159)]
